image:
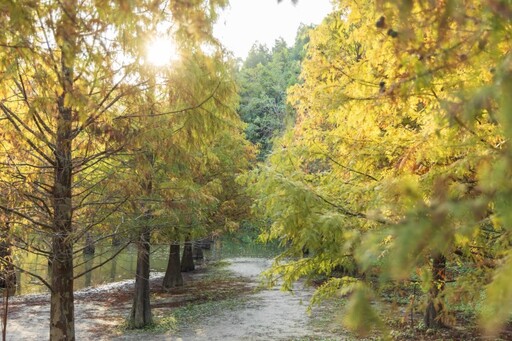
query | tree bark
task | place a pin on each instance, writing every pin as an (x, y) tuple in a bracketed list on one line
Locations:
[(173, 277), (88, 260), (89, 248), (198, 252), (7, 271), (205, 243), (141, 309), (62, 323), (115, 241), (217, 249), (187, 262), (435, 305), (113, 269)]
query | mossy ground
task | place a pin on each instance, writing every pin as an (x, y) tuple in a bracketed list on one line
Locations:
[(210, 290)]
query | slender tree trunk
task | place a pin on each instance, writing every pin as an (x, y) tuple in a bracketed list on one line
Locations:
[(4, 317), (217, 249), (141, 309), (115, 240), (62, 323), (7, 271), (206, 243), (88, 260), (113, 269), (19, 279), (173, 277), (49, 261), (187, 262), (435, 305), (198, 251), (7, 276), (89, 248)]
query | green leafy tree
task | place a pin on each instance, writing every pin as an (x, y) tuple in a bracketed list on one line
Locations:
[(181, 112), (61, 80), (396, 163), (264, 79), (69, 71)]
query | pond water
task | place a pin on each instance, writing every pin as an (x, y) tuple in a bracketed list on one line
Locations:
[(123, 266), (120, 268)]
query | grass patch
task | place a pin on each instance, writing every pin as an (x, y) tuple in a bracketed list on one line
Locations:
[(245, 243), (185, 316), (327, 317), (214, 289), (193, 314), (218, 264)]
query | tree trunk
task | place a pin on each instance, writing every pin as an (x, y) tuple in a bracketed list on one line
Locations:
[(89, 248), (173, 277), (7, 271), (434, 308), (187, 262), (198, 252), (115, 241), (88, 260), (205, 243), (140, 316), (62, 322), (217, 249), (113, 269)]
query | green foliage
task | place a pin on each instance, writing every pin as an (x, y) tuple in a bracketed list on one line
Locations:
[(264, 79), (399, 152), (187, 150), (95, 140), (360, 316), (244, 242), (498, 292)]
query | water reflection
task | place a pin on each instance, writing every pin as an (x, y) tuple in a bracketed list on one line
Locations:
[(120, 268), (88, 260), (123, 266), (113, 269)]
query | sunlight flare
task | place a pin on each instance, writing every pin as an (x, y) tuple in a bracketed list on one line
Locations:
[(161, 51)]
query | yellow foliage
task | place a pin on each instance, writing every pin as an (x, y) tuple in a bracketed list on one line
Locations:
[(401, 137)]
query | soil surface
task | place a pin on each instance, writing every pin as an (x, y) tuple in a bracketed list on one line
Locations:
[(262, 314), (268, 314)]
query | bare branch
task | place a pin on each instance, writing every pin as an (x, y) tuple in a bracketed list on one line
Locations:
[(4, 261), (12, 117), (104, 262), (193, 107), (24, 216)]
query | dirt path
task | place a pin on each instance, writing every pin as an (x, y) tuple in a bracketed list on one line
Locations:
[(267, 315), (263, 315)]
